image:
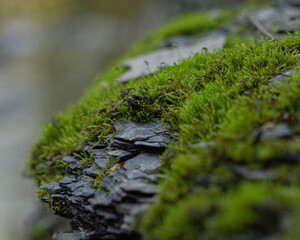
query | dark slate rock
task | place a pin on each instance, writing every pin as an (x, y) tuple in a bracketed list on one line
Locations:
[(115, 143), (100, 199), (135, 174), (279, 131), (116, 194), (101, 162), (92, 172), (131, 131), (53, 188), (160, 141), (108, 216), (94, 145), (122, 154), (70, 159), (289, 72), (74, 166), (281, 78), (71, 236), (146, 162), (82, 182), (138, 187), (276, 81), (68, 179), (99, 153), (85, 192), (253, 175)]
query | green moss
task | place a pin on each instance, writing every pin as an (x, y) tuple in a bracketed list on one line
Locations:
[(220, 97)]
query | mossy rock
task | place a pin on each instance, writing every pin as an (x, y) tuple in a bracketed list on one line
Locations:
[(223, 181)]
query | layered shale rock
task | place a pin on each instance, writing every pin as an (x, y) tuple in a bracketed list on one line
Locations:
[(127, 166)]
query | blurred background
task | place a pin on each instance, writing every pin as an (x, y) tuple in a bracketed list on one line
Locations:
[(50, 52)]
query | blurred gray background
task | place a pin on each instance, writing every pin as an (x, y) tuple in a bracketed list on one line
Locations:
[(50, 51)]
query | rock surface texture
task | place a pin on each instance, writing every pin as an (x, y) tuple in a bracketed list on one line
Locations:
[(150, 63), (127, 187)]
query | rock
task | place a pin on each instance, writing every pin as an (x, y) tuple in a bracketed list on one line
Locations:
[(177, 41), (53, 187), (149, 63), (123, 145), (71, 236), (70, 160), (253, 175), (145, 162), (138, 187), (68, 179), (122, 154), (93, 145), (125, 191), (92, 171), (279, 131), (144, 135), (202, 145)]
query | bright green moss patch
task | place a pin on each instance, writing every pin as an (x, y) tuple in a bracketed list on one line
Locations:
[(216, 99)]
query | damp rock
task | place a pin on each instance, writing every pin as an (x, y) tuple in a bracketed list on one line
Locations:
[(145, 162), (71, 236), (53, 187), (71, 160), (149, 63), (279, 131), (122, 154)]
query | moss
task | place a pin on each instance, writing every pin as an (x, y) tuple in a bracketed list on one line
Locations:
[(220, 97)]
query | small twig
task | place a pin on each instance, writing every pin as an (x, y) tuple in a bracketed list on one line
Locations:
[(259, 26)]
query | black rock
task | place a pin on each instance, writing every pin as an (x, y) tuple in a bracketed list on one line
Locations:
[(71, 236), (279, 131), (122, 154), (70, 159), (53, 188), (92, 171), (68, 179), (115, 143), (138, 187), (145, 162)]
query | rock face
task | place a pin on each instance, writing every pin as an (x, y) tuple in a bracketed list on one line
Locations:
[(126, 189), (149, 63)]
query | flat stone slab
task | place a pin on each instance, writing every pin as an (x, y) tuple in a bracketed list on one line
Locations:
[(150, 63)]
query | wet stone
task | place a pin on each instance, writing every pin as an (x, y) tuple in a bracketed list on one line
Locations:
[(279, 131), (253, 175), (134, 174), (100, 199), (138, 187), (109, 216), (145, 162), (92, 172), (123, 145), (71, 236), (101, 162), (122, 154), (53, 187), (94, 145), (84, 192), (70, 160), (67, 180), (83, 182)]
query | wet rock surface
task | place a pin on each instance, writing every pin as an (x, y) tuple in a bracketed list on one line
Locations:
[(282, 77), (185, 47), (127, 187)]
